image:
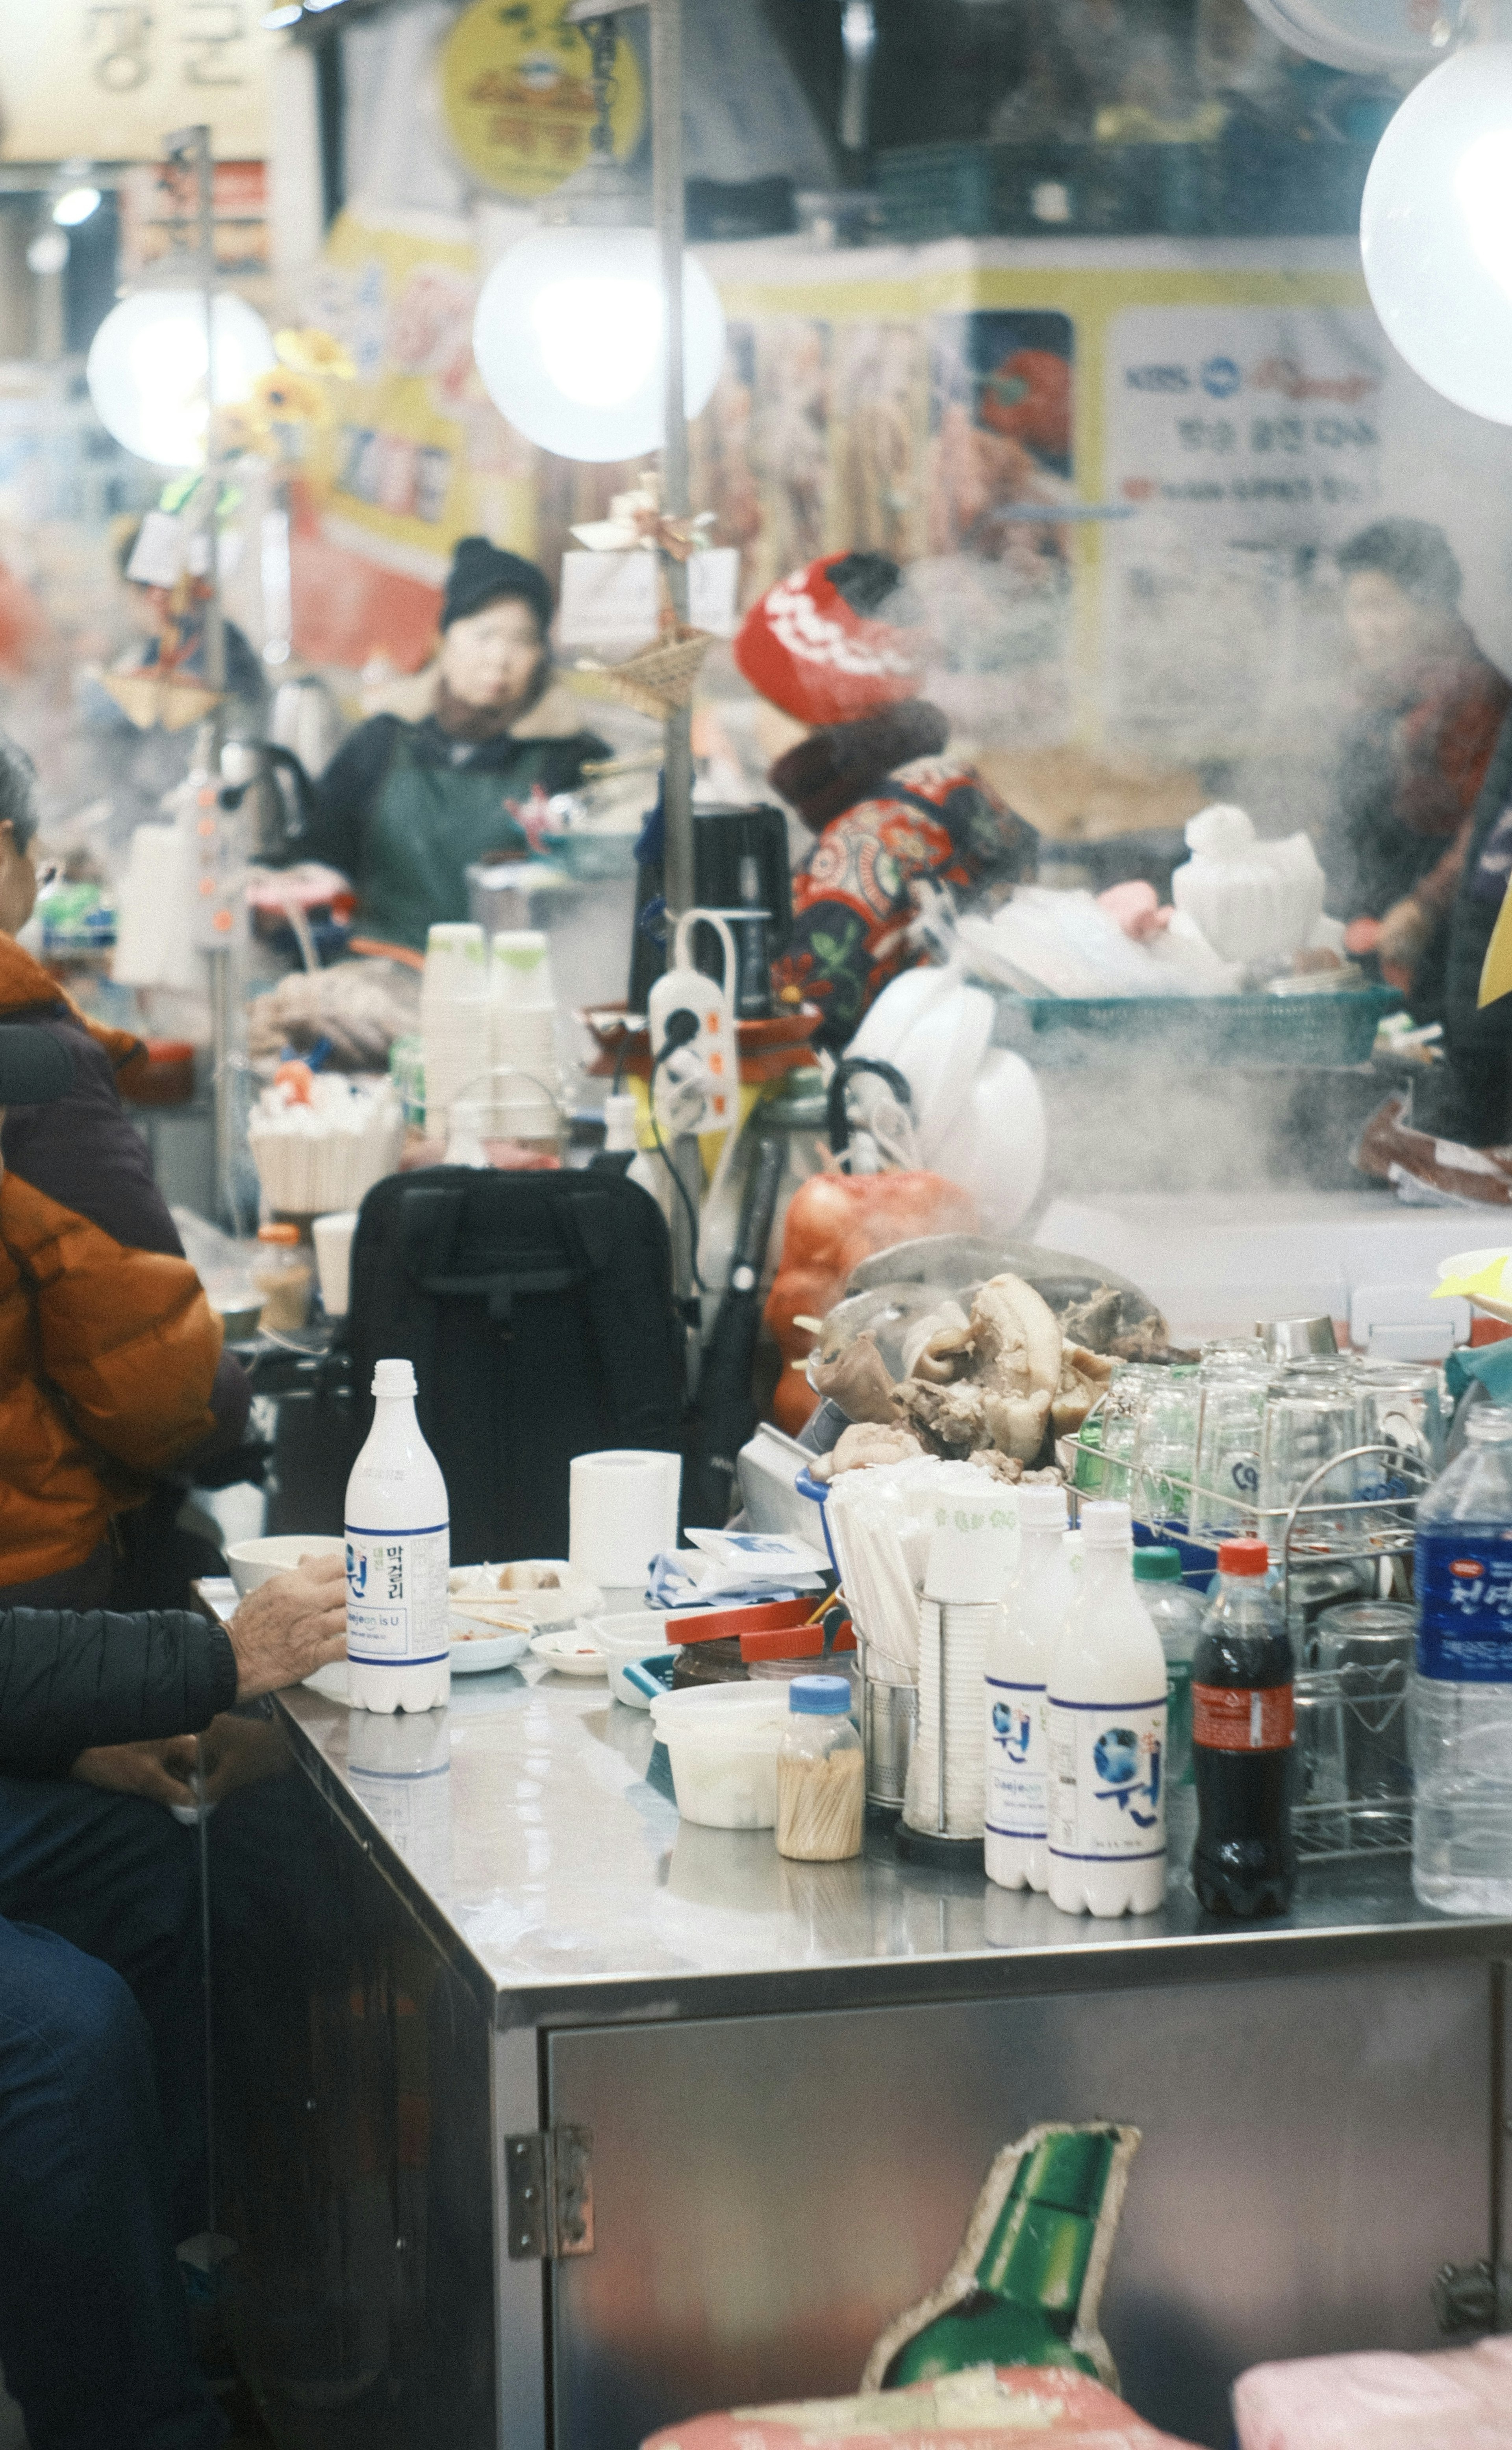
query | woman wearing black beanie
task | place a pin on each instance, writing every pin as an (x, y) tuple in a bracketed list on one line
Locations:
[(406, 807)]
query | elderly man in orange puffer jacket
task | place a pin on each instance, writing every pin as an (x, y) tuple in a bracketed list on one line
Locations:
[(110, 1363)]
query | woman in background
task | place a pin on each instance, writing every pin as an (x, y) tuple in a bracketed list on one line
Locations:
[(1430, 709)]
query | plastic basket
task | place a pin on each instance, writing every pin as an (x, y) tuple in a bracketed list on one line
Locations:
[(1058, 1033)]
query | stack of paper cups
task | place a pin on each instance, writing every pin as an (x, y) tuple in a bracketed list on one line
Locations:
[(455, 1038), (623, 1513), (526, 1079)]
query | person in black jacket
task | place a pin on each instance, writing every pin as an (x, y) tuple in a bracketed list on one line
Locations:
[(404, 807), (94, 2339)]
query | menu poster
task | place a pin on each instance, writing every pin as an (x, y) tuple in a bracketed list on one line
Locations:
[(1244, 443)]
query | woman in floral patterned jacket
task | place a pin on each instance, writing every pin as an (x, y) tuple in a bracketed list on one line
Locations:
[(870, 780)]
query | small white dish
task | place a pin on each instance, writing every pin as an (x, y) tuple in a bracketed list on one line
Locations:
[(570, 1654), (480, 1654)]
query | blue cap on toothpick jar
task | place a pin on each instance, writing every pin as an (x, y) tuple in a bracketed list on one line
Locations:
[(819, 1696)]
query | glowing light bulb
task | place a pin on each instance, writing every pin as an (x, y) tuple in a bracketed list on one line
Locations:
[(75, 206), (146, 370), (568, 337), (599, 339), (1436, 230), (1483, 186)]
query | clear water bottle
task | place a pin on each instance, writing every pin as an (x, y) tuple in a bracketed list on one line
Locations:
[(1461, 1699), (1176, 1615)]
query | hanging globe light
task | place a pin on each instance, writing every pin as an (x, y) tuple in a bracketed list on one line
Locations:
[(569, 340), (1436, 230), (147, 365), (570, 333)]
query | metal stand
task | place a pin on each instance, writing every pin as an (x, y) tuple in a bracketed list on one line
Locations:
[(1329, 1828)]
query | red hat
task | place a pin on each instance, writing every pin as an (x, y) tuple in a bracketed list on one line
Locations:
[(812, 646)]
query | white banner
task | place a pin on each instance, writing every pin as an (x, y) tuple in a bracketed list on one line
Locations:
[(106, 80)]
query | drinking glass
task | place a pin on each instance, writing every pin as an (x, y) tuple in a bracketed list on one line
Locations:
[(1165, 1448), (1370, 1647), (1120, 1413), (1311, 1414), (1399, 1409), (1231, 1414)]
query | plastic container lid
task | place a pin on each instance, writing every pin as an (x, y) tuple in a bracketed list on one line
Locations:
[(287, 1234), (1107, 1523), (1244, 1557), (1158, 1565), (1043, 1508), (819, 1696)]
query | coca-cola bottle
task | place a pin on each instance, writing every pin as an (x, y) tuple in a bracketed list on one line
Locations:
[(1241, 1719)]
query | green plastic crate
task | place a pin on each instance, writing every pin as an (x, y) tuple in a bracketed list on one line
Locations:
[(1316, 1032)]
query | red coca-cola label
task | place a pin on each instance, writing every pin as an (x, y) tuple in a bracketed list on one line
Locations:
[(1230, 1719)]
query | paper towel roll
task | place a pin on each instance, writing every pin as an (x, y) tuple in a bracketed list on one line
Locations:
[(622, 1510)]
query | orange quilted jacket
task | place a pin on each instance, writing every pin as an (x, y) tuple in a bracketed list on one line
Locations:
[(108, 1350)]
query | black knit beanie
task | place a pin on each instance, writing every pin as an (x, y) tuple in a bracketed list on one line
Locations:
[(481, 573)]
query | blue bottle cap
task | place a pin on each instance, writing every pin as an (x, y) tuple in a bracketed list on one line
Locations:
[(819, 1696)]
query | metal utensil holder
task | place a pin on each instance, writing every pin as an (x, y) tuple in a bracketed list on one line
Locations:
[(1327, 1827), (889, 1725)]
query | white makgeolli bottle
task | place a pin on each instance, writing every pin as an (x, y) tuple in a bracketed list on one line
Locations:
[(1018, 1657), (399, 1551), (1107, 1702)]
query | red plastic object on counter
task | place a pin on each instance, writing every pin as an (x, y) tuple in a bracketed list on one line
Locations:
[(834, 1221)]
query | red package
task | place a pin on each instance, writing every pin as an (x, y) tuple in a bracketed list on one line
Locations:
[(1061, 2408)]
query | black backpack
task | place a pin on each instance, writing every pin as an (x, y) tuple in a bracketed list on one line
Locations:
[(537, 1310)]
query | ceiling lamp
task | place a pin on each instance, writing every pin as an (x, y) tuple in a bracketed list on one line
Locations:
[(569, 341), (74, 206), (1436, 230), (569, 334), (147, 364)]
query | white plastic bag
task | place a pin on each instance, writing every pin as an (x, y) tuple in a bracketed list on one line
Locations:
[(1254, 902)]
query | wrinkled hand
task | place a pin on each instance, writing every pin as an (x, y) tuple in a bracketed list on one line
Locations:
[(239, 1752), (160, 1771), (1406, 933), (288, 1627)]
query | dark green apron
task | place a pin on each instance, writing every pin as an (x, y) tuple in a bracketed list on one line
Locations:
[(431, 823)]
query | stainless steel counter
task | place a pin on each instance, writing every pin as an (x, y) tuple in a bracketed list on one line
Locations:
[(444, 1934), (562, 1882)]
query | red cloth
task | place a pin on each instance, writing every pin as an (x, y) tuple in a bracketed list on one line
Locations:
[(807, 650)]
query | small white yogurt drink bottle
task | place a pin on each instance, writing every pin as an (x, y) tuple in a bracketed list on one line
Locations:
[(1018, 1657), (399, 1551), (1107, 1704)]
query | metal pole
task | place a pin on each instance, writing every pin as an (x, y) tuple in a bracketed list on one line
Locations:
[(192, 146), (667, 202)]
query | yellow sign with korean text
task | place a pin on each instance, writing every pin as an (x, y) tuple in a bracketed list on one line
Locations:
[(517, 95)]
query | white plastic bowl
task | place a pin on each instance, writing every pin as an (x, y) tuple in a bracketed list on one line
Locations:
[(254, 1561), (722, 1741), (624, 1641)]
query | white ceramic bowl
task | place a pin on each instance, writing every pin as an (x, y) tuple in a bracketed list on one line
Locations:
[(254, 1561)]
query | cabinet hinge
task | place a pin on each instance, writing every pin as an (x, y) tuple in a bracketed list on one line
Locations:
[(1473, 2297), (549, 2194)]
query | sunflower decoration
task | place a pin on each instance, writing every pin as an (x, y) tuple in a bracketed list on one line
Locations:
[(317, 353), (281, 396)]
